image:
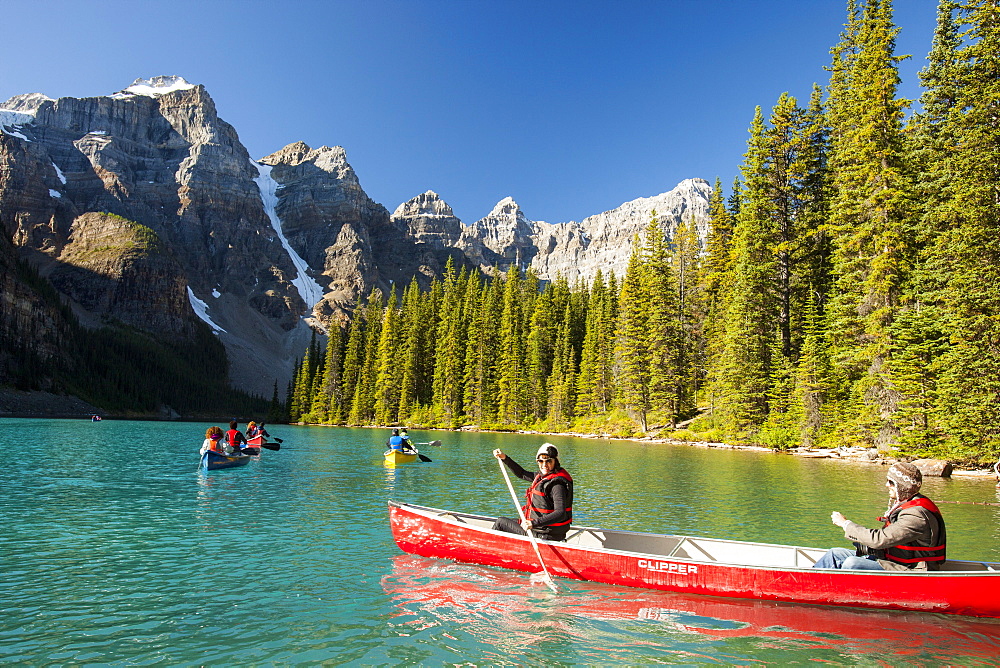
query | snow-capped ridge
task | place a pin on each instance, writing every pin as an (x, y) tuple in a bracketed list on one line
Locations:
[(26, 103), (155, 86)]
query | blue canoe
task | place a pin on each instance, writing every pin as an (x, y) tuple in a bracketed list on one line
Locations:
[(212, 460)]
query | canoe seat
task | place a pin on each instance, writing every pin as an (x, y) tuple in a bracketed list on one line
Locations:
[(585, 537), (953, 565)]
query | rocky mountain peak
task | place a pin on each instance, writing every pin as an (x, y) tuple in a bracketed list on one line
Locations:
[(332, 160), (156, 86), (26, 103), (506, 208), (426, 204)]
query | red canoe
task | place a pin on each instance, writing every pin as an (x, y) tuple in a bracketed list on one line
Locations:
[(697, 565)]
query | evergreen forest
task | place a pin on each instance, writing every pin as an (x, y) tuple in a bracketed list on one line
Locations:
[(848, 293), (116, 368)]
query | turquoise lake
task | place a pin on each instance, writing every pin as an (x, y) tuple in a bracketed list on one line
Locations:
[(116, 549)]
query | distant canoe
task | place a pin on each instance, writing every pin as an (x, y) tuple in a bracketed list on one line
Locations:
[(394, 457), (259, 443), (212, 460)]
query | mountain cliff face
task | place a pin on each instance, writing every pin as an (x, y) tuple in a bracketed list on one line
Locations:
[(350, 242), (604, 241), (143, 208), (154, 156), (574, 250)]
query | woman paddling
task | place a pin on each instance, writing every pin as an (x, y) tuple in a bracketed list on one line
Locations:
[(549, 507), (213, 439)]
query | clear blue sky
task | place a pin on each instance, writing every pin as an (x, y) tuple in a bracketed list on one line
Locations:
[(572, 108)]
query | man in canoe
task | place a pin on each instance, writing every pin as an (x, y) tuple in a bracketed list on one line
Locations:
[(397, 442), (912, 538), (549, 508), (235, 440)]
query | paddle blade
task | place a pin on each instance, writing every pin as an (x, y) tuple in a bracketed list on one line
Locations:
[(435, 443), (271, 446), (424, 458), (279, 440), (541, 577)]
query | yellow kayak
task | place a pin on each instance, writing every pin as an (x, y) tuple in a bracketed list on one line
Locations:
[(394, 457)]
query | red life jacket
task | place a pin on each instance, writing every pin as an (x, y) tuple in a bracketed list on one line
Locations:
[(539, 499), (909, 554), (232, 440)]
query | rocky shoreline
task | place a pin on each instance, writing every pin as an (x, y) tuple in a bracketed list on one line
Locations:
[(869, 456), (36, 404)]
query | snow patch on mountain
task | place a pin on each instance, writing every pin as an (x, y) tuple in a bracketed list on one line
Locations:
[(11, 119), (201, 310), (308, 288), (155, 86), (59, 173)]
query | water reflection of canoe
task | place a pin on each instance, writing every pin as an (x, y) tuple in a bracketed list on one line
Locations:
[(212, 460), (697, 565), (458, 593), (394, 457)]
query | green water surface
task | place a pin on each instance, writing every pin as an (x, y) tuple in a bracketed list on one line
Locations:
[(115, 549)]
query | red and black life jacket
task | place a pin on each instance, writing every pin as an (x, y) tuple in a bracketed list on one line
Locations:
[(231, 439), (909, 554), (539, 498)]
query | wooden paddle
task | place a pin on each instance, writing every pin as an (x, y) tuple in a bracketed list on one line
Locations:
[(534, 543)]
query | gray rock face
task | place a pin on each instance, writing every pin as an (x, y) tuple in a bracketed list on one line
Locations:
[(122, 270), (429, 220), (604, 241), (327, 218), (163, 160), (351, 240), (578, 250)]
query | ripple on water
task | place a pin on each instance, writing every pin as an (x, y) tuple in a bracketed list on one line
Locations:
[(123, 557)]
